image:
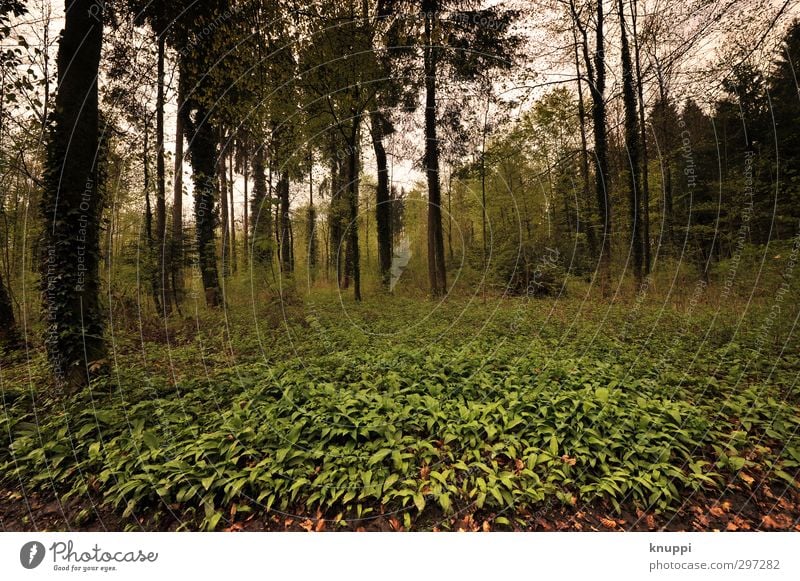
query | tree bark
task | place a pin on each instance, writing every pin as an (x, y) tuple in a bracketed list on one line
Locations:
[(645, 171), (631, 145), (72, 204), (222, 170), (285, 235), (261, 212), (202, 150), (311, 226), (353, 253), (588, 223), (383, 205), (162, 276), (9, 336), (437, 275), (176, 245), (232, 212), (245, 213), (602, 177)]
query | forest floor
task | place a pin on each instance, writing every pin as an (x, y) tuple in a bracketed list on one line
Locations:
[(405, 414)]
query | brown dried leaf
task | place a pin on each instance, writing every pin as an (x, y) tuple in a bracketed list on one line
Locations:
[(567, 460), (608, 523), (717, 511), (307, 525)]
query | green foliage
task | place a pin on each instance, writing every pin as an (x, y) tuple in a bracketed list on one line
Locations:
[(351, 430)]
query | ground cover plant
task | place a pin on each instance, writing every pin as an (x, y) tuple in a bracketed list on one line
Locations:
[(380, 420)]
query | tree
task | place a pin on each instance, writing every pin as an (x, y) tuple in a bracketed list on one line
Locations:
[(9, 61), (461, 40), (72, 203), (596, 73), (632, 168)]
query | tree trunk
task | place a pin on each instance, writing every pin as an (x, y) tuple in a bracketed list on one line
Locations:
[(631, 145), (285, 237), (311, 226), (383, 205), (336, 213), (150, 263), (245, 213), (588, 223), (645, 171), (202, 149), (176, 245), (602, 177), (9, 336), (669, 217), (222, 170), (437, 275), (232, 213), (353, 256), (161, 206), (72, 204), (261, 211)]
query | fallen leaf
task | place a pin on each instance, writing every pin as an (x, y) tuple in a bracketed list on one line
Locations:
[(307, 525), (716, 511), (608, 523)]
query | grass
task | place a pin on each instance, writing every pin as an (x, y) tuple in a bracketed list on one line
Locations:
[(403, 406)]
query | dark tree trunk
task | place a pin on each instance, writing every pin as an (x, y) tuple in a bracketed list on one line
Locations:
[(602, 177), (202, 149), (285, 226), (223, 198), (645, 180), (261, 212), (232, 213), (336, 213), (9, 336), (311, 226), (72, 204), (161, 192), (245, 213), (353, 255), (631, 145), (176, 245), (588, 222), (150, 266), (669, 216), (437, 275), (383, 204)]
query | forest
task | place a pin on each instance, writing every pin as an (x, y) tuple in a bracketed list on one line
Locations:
[(399, 265)]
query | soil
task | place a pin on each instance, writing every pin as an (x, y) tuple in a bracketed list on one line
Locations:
[(737, 508)]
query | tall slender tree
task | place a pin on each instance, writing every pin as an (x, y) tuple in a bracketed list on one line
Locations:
[(632, 169)]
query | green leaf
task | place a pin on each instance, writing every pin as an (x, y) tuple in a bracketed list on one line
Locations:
[(378, 456), (554, 445), (150, 440)]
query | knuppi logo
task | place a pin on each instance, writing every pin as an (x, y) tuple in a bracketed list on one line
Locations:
[(31, 554)]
